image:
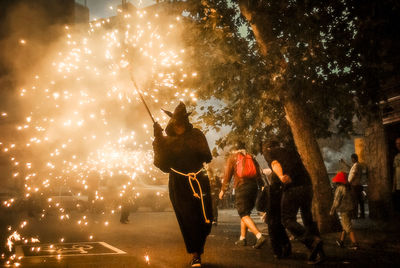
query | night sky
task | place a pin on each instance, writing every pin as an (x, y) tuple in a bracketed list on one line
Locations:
[(101, 8)]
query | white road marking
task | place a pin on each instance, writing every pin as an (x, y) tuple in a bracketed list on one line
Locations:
[(81, 249), (112, 248)]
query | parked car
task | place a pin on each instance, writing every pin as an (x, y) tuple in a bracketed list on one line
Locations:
[(66, 199), (134, 193), (139, 193), (152, 196)]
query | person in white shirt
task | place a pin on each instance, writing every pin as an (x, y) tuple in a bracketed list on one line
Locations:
[(396, 177), (356, 186)]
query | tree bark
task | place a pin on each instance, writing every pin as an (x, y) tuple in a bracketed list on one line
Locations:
[(303, 134), (376, 158)]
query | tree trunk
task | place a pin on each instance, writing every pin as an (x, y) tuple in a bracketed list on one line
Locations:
[(311, 156), (376, 158), (301, 128)]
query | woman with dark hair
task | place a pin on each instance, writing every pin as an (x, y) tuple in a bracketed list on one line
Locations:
[(245, 171), (182, 154)]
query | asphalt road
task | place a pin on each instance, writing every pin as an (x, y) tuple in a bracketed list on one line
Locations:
[(153, 239)]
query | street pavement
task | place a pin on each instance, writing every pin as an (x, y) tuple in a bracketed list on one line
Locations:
[(153, 239)]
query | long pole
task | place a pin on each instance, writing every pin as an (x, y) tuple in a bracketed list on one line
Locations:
[(141, 97)]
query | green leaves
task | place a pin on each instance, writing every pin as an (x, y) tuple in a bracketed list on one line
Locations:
[(313, 53)]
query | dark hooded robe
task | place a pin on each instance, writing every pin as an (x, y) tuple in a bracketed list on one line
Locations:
[(185, 154)]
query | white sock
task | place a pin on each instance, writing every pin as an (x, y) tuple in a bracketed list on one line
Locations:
[(258, 235), (242, 238)]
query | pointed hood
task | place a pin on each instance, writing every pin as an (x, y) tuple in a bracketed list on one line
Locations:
[(179, 116)]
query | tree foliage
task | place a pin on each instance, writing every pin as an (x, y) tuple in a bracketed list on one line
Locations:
[(330, 57), (307, 58), (375, 52)]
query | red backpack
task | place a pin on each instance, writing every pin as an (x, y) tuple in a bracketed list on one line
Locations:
[(245, 167)]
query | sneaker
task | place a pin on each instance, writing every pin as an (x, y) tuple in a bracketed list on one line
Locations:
[(354, 246), (315, 248), (260, 242), (242, 242), (340, 243), (318, 259), (196, 262)]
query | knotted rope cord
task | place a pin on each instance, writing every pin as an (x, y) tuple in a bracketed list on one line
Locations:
[(193, 176)]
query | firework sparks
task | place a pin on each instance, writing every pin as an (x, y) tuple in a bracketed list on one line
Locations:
[(14, 237), (83, 126)]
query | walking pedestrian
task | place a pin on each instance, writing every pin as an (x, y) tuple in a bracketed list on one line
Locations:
[(296, 195), (182, 154), (343, 203), (279, 239), (126, 205), (246, 172)]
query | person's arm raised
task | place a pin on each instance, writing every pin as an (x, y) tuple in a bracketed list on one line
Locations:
[(277, 168)]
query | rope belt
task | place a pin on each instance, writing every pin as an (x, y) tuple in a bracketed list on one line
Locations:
[(193, 176)]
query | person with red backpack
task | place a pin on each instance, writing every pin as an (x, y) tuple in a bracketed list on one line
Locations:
[(246, 173)]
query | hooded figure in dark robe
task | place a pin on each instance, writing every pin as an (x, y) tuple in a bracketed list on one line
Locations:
[(181, 154)]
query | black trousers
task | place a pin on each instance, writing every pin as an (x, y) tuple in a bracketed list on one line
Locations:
[(356, 191), (396, 200), (295, 199), (277, 233), (215, 201)]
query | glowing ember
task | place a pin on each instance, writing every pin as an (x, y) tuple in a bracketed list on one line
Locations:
[(147, 259), (14, 237), (84, 132)]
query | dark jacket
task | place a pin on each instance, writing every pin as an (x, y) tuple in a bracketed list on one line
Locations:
[(291, 165)]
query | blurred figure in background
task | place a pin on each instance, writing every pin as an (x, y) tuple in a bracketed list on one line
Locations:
[(126, 205), (396, 178), (215, 186)]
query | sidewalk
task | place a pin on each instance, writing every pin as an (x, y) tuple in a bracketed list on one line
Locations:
[(378, 235), (379, 246)]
